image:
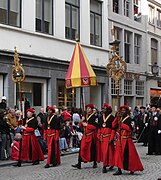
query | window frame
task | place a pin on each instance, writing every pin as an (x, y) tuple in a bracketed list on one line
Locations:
[(126, 10), (100, 15), (137, 45), (8, 14), (159, 18), (116, 6), (128, 87), (43, 20), (127, 45), (151, 10), (139, 88), (71, 7), (155, 50)]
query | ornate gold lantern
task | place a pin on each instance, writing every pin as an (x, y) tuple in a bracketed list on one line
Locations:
[(117, 67)]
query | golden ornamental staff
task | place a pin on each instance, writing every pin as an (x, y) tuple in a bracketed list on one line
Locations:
[(18, 74), (117, 67)]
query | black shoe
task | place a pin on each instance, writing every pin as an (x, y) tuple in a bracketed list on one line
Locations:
[(17, 165), (54, 165), (78, 166), (111, 167), (35, 163), (118, 172), (95, 165), (131, 172), (46, 166), (148, 154), (104, 170)]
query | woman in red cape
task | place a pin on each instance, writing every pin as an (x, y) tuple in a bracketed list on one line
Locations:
[(89, 147), (31, 149), (51, 135), (105, 135), (126, 156)]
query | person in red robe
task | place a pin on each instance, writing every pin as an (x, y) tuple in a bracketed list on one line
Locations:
[(126, 156), (105, 135), (31, 149), (51, 135), (89, 150)]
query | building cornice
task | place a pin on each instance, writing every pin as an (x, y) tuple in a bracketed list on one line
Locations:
[(153, 34), (155, 2), (50, 62), (126, 25)]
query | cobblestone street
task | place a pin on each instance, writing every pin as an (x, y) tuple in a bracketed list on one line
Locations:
[(152, 166)]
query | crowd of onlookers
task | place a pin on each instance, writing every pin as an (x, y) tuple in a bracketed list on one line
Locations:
[(11, 121)]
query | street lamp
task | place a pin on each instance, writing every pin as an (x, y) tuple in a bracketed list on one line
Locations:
[(18, 74), (155, 69), (117, 67)]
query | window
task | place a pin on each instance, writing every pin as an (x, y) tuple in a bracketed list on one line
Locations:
[(137, 42), (44, 16), (116, 6), (72, 19), (126, 7), (96, 23), (127, 46), (10, 12), (159, 18), (139, 87), (151, 14), (154, 51), (66, 97), (113, 87), (37, 94), (137, 11), (128, 87)]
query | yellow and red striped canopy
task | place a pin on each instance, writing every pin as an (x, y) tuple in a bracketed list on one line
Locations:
[(80, 72)]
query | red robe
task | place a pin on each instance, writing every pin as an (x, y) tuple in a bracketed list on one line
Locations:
[(126, 156), (52, 137), (89, 148), (31, 149), (51, 134), (106, 134), (15, 146)]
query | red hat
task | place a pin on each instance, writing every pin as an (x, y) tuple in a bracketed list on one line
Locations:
[(107, 106), (51, 108), (124, 107), (90, 105), (31, 110)]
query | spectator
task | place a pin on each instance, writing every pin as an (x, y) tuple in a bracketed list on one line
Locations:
[(12, 122), (16, 147), (41, 117), (5, 133), (65, 114), (62, 140), (3, 104)]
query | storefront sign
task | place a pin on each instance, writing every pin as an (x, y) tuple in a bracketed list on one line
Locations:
[(132, 76)]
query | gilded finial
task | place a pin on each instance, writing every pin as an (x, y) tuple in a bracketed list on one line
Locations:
[(113, 32)]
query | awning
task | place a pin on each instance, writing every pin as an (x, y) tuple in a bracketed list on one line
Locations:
[(80, 72)]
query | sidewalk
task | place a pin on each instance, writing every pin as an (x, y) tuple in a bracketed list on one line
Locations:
[(10, 162)]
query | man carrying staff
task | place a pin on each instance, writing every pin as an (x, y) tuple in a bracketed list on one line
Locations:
[(126, 156), (31, 149), (105, 135), (89, 143), (51, 135)]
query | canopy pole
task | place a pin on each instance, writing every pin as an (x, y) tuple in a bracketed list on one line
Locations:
[(82, 99)]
